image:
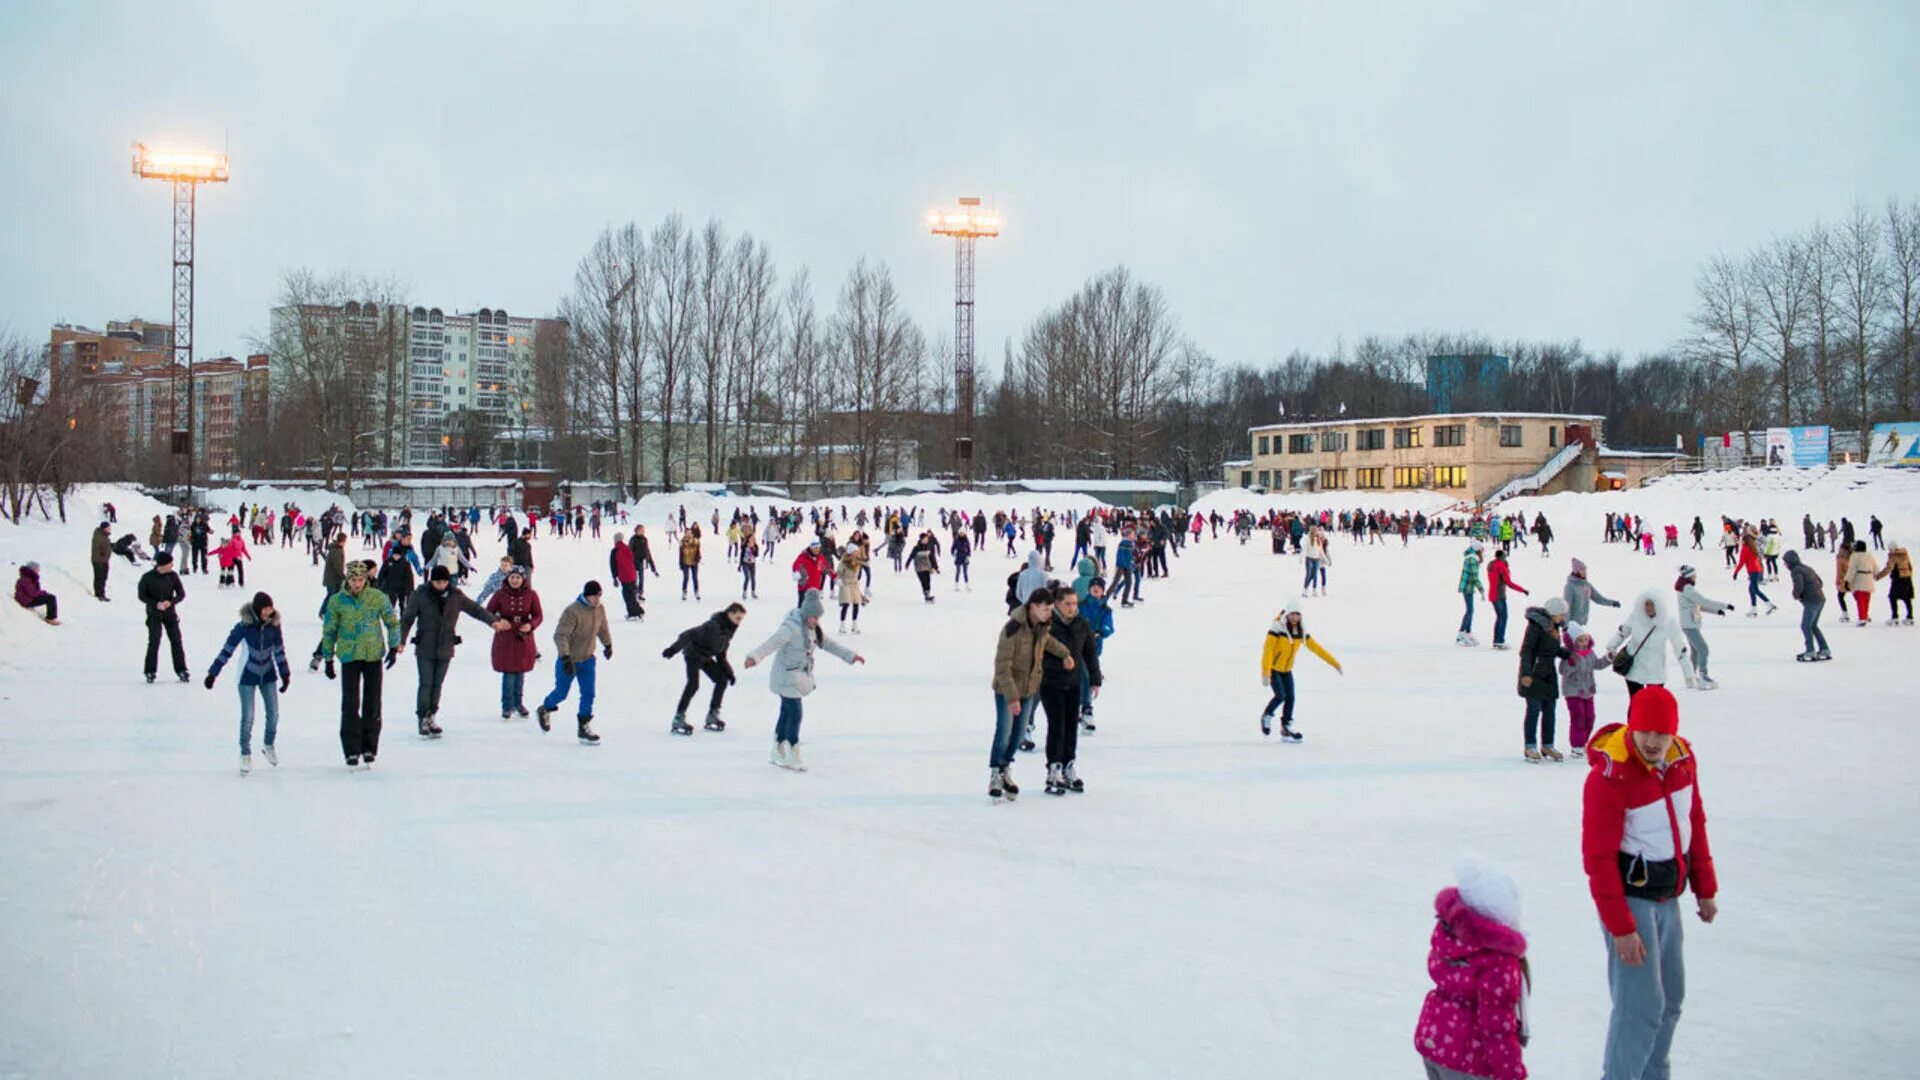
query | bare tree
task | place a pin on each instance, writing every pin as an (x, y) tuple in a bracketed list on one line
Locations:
[(878, 353), (1779, 272), (672, 307), (1863, 289), (1903, 284), (1822, 282)]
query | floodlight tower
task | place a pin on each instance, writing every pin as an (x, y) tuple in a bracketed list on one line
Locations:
[(186, 171), (965, 224)]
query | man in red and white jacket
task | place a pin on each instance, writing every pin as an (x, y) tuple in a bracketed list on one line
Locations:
[(1643, 838), (812, 569)]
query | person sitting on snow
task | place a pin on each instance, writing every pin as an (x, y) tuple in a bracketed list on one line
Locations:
[(28, 594)]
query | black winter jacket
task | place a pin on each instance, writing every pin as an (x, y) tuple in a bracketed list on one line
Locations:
[(1806, 584), (156, 587), (1540, 651), (437, 614), (706, 642), (1077, 635)]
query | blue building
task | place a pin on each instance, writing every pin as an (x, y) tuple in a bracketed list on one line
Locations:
[(1465, 383)]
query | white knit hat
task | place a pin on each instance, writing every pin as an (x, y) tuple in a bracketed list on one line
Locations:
[(1488, 890)]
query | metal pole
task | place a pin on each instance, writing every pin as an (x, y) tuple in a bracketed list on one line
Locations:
[(183, 221)]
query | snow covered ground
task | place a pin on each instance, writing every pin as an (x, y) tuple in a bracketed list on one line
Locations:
[(502, 903)]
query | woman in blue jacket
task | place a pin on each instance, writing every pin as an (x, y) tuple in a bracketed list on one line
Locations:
[(259, 630)]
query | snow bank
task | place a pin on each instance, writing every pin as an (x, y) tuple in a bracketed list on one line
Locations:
[(1227, 500)]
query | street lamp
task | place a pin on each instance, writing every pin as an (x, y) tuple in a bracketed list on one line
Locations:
[(186, 171), (966, 224)]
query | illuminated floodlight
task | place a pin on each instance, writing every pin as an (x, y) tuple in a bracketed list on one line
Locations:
[(179, 166), (969, 219)]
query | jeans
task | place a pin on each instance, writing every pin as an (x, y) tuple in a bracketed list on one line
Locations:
[(1540, 720), (1283, 698), (1123, 586), (1313, 573), (360, 707), (1810, 626), (750, 578), (689, 574), (787, 728), (960, 573), (1646, 999), (1466, 621), (563, 683), (1754, 595), (1697, 650), (433, 676), (1499, 621), (1007, 730), (270, 696), (513, 691), (1062, 704)]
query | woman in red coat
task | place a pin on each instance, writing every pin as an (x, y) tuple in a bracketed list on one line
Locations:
[(514, 649)]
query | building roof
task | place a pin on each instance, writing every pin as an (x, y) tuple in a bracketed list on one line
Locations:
[(1375, 421), (1164, 487), (1608, 451)]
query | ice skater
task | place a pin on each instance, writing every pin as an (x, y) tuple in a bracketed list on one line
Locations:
[(259, 630), (798, 635), (1285, 638), (704, 647)]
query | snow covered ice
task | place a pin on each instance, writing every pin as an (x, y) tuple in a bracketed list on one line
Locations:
[(503, 903)]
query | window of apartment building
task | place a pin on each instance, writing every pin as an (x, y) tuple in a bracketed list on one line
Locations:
[(1266, 478), (1449, 435), (1367, 478), (1299, 444), (1371, 439), (1411, 476), (1509, 434), (1449, 476), (1406, 438), (1333, 441), (1263, 445), (1333, 479)]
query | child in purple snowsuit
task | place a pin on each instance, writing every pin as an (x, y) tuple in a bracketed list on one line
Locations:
[(1578, 686)]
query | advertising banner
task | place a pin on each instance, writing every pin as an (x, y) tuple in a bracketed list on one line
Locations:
[(1895, 444), (1779, 446), (1811, 445)]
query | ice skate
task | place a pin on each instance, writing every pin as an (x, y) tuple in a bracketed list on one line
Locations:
[(1806, 657), (1072, 779), (1824, 655), (520, 711), (793, 758), (1266, 724), (544, 715), (1501, 645), (366, 763), (1754, 613), (353, 763), (995, 789), (587, 735), (714, 723), (1533, 756), (246, 764), (273, 759), (1056, 783), (680, 725), (1006, 782), (1288, 733), (1552, 755), (1772, 607), (1706, 683), (779, 755)]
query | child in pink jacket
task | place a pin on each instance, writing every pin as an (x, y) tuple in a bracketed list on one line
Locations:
[(1474, 1022), (1578, 685)]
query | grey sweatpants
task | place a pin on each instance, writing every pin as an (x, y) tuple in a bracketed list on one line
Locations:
[(1697, 650), (1441, 1072), (1646, 999)]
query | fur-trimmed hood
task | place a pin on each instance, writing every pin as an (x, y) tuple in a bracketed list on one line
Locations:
[(249, 618), (1472, 931)]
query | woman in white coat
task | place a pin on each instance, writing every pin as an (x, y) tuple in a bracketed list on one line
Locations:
[(792, 679), (1645, 636)]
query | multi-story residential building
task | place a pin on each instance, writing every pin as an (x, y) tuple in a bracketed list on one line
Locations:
[(127, 374), (459, 373), (1478, 456)]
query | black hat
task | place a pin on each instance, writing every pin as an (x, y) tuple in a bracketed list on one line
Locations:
[(261, 602), (440, 574), (592, 589), (163, 559)]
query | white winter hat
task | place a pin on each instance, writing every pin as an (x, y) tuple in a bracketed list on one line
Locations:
[(1488, 890), (1555, 606), (1575, 630)]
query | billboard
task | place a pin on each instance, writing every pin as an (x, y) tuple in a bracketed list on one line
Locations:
[(1811, 445), (1779, 446), (1894, 444)]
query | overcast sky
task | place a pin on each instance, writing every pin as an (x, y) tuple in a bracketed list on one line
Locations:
[(1291, 174)]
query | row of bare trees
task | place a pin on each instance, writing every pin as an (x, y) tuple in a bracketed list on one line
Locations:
[(689, 359), (1815, 327)]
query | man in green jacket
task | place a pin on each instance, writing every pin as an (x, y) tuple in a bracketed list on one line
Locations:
[(352, 632)]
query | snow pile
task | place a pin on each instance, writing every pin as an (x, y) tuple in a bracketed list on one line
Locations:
[(1228, 500), (1851, 491)]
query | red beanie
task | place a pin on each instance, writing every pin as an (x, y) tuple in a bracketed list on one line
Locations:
[(1654, 710)]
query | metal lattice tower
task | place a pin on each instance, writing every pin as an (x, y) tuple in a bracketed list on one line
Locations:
[(966, 225), (186, 172)]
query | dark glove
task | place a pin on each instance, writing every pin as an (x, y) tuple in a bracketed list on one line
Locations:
[(667, 653), (606, 652), (393, 657), (285, 681), (731, 677), (331, 671), (567, 666), (209, 681)]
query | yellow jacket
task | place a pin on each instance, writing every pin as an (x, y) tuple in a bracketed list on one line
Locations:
[(1283, 649)]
